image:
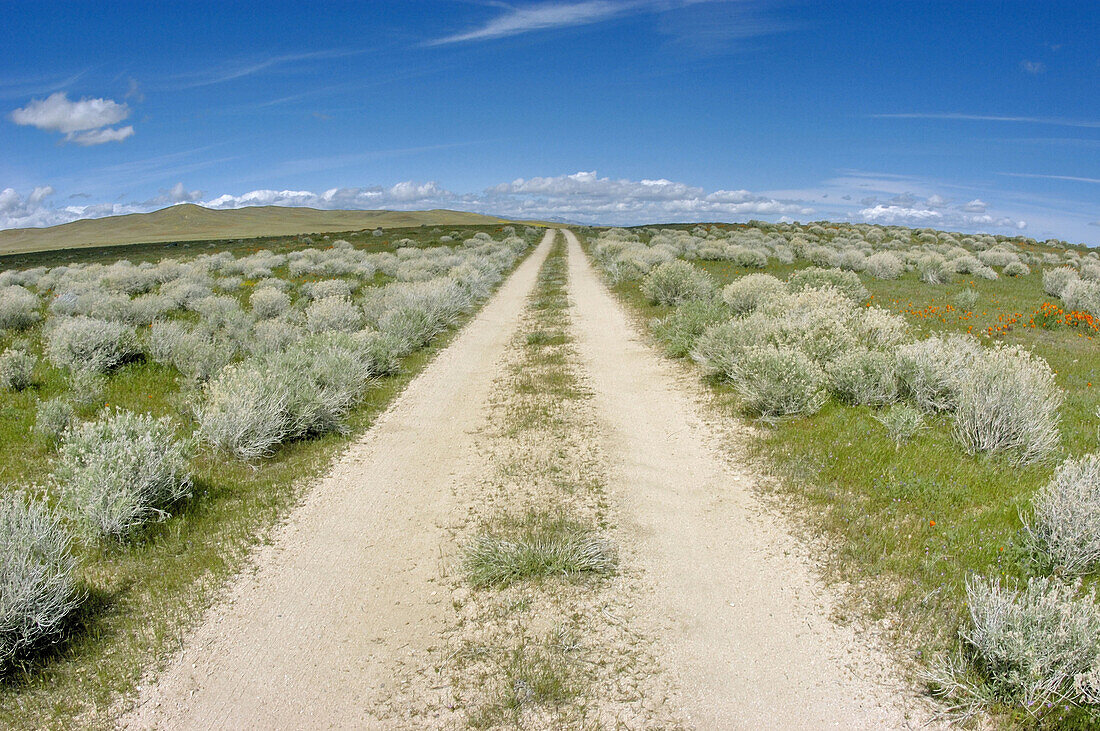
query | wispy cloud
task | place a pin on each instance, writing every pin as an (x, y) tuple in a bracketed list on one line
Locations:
[(1033, 67), (223, 74), (1072, 178), (36, 86), (1056, 121), (544, 16)]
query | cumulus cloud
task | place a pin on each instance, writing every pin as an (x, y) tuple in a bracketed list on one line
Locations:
[(901, 215), (582, 197), (408, 194), (85, 122), (34, 209), (907, 209), (178, 193)]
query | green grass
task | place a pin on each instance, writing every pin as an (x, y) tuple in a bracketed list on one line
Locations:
[(537, 546), (906, 524), (532, 554), (143, 594), (535, 672)]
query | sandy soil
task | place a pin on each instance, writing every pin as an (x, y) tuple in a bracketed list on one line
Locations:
[(541, 455), (316, 635), (744, 626)]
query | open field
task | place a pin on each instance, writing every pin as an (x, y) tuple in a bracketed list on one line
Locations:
[(140, 588), (908, 519), (271, 483), (189, 222)]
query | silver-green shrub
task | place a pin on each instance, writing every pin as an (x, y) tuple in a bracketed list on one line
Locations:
[(880, 329), (721, 344), (1034, 645), (328, 288), (269, 302), (864, 377), (272, 336), (146, 308), (935, 269), (674, 282), (747, 293), (1082, 295), (930, 370), (197, 354), (87, 344), (815, 278), (37, 576), (680, 330), (884, 265), (779, 381), (1063, 530), (18, 308), (219, 312), (52, 418), (332, 314), (902, 422), (966, 299), (1008, 401), (1055, 281), (16, 369), (379, 352), (253, 406), (1016, 269), (122, 471)]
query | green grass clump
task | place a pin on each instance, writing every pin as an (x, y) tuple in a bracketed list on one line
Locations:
[(539, 546)]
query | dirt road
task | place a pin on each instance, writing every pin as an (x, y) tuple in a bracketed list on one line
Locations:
[(346, 593), (349, 601), (743, 630)]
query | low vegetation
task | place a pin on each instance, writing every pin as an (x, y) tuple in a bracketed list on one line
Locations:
[(540, 546), (919, 388), (171, 406)]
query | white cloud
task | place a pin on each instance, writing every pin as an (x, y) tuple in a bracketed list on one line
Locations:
[(538, 17), (85, 122), (99, 136), (408, 194), (34, 209), (900, 215), (178, 193), (942, 214), (582, 197), (1056, 121), (1033, 67), (1072, 178)]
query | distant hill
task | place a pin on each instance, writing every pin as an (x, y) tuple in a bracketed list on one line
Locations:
[(188, 222)]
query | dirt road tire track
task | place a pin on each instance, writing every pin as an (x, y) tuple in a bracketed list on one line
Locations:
[(744, 632), (346, 594)]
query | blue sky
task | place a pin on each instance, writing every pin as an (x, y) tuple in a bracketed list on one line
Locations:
[(962, 115)]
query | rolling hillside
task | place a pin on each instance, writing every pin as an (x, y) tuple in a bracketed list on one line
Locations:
[(189, 222)]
